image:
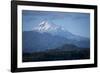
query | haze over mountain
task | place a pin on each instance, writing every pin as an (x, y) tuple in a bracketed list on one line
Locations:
[(47, 35), (74, 22)]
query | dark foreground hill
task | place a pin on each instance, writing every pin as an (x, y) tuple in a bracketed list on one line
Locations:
[(65, 52)]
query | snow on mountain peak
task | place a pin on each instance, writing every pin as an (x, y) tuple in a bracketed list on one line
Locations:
[(46, 26)]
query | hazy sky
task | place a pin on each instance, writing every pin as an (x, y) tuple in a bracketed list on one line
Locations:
[(76, 23)]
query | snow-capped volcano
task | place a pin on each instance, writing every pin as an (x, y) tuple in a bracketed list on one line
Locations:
[(54, 29), (46, 26)]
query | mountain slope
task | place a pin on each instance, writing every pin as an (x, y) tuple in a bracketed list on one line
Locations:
[(35, 41)]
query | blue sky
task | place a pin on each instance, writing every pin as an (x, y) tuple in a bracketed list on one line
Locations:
[(76, 23)]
